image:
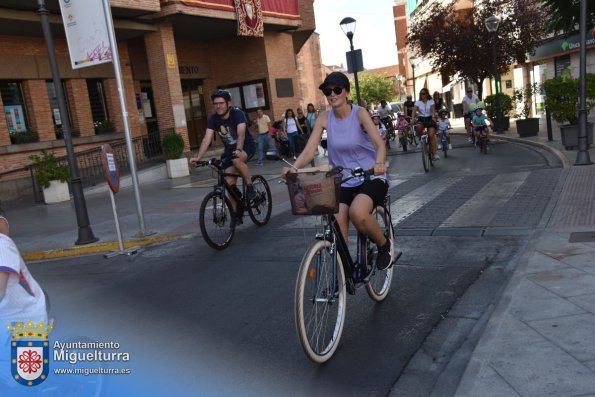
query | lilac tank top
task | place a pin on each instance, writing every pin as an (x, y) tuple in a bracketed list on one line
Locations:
[(349, 146)]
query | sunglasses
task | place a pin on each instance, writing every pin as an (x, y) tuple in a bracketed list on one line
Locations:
[(328, 91), (423, 93)]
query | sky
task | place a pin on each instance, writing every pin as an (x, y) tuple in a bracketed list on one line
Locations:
[(374, 31)]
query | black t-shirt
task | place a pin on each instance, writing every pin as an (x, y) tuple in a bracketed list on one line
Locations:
[(409, 105), (227, 129)]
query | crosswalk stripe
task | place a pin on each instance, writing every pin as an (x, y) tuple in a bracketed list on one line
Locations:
[(483, 206), (411, 202)]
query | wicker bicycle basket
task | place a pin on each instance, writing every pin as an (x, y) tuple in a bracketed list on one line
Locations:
[(314, 193)]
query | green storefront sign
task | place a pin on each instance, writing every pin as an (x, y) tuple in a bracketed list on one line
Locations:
[(560, 46)]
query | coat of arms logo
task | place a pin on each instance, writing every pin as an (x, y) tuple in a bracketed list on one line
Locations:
[(29, 355)]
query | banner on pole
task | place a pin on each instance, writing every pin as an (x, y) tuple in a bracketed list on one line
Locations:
[(86, 32)]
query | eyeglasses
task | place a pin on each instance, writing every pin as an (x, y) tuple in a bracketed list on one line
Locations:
[(218, 103), (423, 93), (328, 91)]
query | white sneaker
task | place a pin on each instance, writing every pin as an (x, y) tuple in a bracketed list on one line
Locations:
[(440, 147), (436, 157), (449, 146)]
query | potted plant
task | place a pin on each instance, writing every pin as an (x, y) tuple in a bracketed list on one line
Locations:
[(51, 176), (103, 127), (505, 108), (173, 148), (522, 101), (562, 101)]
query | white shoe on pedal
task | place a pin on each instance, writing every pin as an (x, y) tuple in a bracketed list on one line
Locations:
[(449, 146), (439, 147)]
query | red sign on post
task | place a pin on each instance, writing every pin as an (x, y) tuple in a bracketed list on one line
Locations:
[(111, 171)]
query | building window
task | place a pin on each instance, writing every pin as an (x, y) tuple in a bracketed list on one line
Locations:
[(15, 113), (101, 120), (56, 116), (249, 95)]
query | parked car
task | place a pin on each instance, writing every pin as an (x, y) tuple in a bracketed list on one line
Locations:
[(396, 107)]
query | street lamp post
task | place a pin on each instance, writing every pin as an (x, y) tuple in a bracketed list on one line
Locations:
[(492, 23), (411, 62), (348, 26), (582, 157), (85, 233)]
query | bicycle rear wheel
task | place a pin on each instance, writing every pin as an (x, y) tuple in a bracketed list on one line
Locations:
[(217, 220), (380, 280), (260, 209), (424, 154), (320, 302)]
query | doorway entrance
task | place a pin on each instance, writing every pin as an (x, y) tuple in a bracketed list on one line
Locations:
[(194, 108)]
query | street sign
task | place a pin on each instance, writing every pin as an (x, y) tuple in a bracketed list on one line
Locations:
[(111, 171), (86, 32), (359, 61)]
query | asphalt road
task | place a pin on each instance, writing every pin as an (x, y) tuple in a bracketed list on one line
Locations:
[(211, 323)]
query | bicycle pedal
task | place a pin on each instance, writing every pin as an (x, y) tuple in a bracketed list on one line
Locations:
[(350, 286), (399, 253)]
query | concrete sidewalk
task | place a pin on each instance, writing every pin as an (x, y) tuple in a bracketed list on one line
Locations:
[(540, 338)]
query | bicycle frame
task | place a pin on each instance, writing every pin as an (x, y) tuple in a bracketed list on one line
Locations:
[(224, 188), (332, 233)]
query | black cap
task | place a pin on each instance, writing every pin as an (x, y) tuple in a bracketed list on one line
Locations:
[(335, 78)]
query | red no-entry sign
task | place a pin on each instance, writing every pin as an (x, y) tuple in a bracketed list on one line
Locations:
[(111, 171)]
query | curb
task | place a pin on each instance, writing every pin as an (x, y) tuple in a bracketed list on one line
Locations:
[(99, 248), (561, 156)]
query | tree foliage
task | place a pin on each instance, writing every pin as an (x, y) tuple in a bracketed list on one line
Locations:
[(564, 15), (372, 88), (457, 41)]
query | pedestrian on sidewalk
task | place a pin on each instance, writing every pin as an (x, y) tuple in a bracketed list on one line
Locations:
[(263, 123)]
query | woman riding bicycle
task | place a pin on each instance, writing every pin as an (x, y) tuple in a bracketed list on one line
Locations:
[(351, 147), (423, 116)]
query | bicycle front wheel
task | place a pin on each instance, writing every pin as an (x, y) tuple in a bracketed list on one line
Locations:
[(320, 302), (260, 209), (380, 280), (217, 220), (424, 154)]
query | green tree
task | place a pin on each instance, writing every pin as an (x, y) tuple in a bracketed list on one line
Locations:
[(372, 88), (564, 15), (457, 41)]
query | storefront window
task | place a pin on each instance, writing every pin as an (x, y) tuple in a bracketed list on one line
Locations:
[(249, 95), (15, 113)]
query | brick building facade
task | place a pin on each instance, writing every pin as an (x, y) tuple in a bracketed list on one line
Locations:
[(173, 54)]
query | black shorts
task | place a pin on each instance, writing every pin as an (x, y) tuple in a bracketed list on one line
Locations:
[(376, 189), (468, 115), (227, 155), (427, 122)]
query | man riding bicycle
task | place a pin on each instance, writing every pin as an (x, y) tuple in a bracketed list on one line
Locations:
[(230, 124), (469, 99), (386, 113)]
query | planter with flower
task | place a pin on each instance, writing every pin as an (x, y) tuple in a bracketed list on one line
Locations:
[(562, 101), (103, 127), (522, 101), (51, 176), (173, 148)]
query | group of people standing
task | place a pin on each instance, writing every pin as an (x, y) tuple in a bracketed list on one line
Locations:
[(295, 128)]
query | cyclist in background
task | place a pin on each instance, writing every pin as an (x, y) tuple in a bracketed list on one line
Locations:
[(353, 142), (479, 121), (385, 112), (468, 99), (381, 127), (408, 107), (230, 124), (423, 116), (443, 124)]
